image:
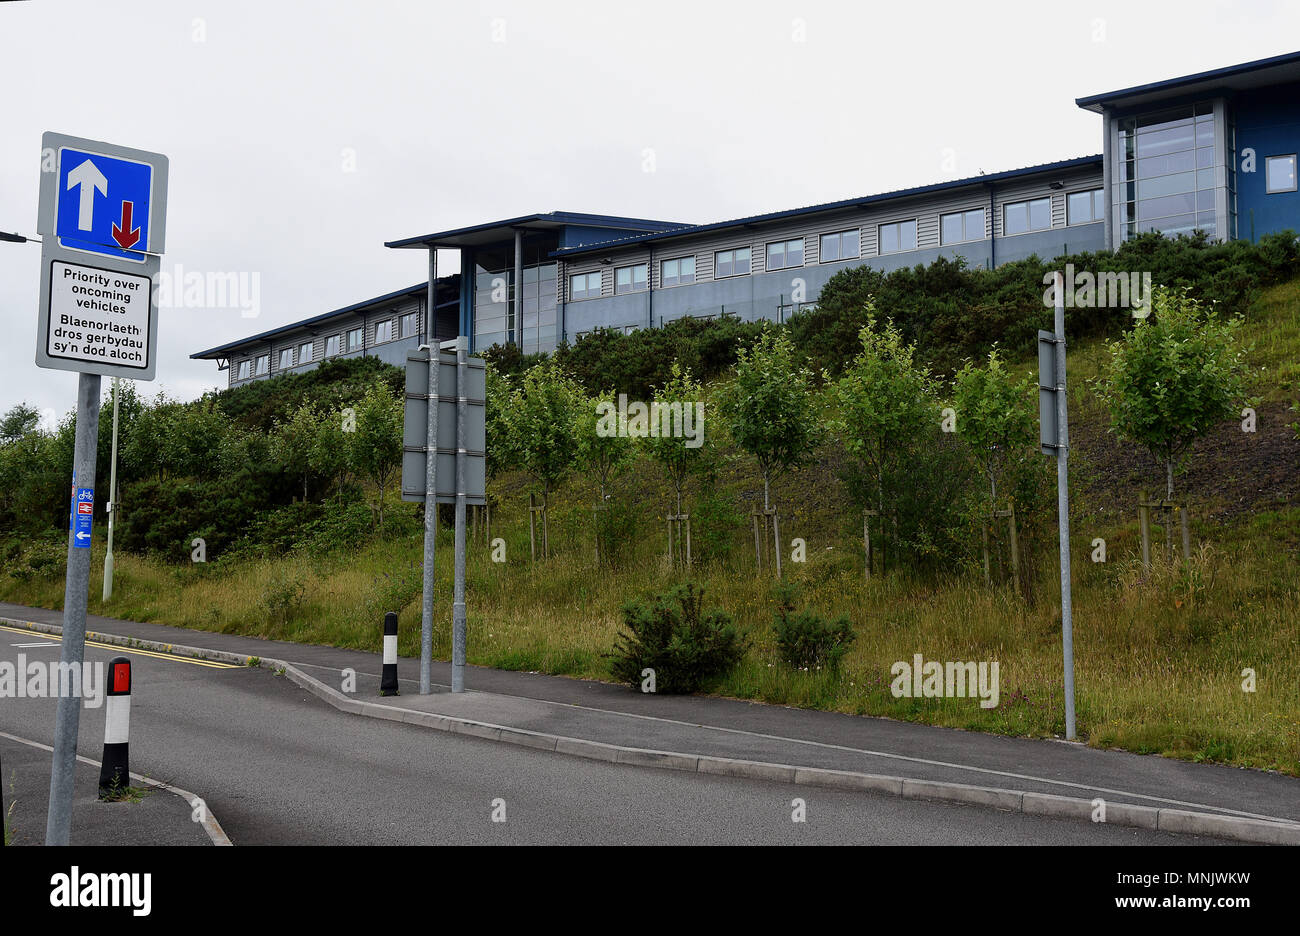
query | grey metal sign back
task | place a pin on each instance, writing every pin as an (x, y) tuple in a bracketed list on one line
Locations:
[(1049, 434), (415, 442)]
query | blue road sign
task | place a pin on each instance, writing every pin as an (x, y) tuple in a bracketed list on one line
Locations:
[(85, 506), (103, 204)]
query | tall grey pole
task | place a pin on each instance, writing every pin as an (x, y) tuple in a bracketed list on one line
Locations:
[(458, 623), (58, 822), (1063, 507), (430, 480), (112, 499)]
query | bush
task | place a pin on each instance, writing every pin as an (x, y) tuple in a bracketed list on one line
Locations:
[(344, 524), (685, 646), (806, 640), (282, 598), (617, 530)]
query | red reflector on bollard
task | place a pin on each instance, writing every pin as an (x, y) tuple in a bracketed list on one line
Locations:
[(121, 677)]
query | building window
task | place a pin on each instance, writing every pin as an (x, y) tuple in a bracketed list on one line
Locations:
[(263, 365), (1084, 207), (1025, 216), (286, 358), (901, 235), (354, 339), (842, 245), (306, 351), (245, 370), (384, 331), (584, 286), (630, 278), (677, 272), (962, 226), (410, 324), (331, 345), (731, 262), (785, 254), (1279, 172)]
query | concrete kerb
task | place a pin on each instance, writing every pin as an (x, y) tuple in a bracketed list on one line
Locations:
[(1180, 821)]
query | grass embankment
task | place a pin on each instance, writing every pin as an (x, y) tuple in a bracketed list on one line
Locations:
[(1159, 658)]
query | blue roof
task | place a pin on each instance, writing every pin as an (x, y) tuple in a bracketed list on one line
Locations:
[(1286, 67), (987, 178), (553, 219), (220, 350)]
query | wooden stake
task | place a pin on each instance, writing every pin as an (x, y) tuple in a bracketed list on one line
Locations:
[(1144, 521), (532, 525)]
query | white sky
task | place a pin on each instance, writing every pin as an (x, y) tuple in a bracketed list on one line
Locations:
[(255, 104)]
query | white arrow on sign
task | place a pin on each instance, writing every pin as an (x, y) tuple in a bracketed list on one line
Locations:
[(88, 176), (81, 535)]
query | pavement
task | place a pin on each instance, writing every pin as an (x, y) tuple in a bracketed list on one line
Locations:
[(706, 734), (156, 817)]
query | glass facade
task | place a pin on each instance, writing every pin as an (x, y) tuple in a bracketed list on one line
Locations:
[(1166, 172), (495, 320)]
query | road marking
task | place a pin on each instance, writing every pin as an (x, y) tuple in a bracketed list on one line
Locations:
[(43, 643), (210, 664)]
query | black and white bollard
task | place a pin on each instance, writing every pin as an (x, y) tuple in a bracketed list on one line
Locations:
[(388, 682), (115, 773)]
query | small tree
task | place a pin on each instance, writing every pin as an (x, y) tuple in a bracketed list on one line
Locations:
[(1173, 377), (541, 421), (18, 421), (292, 442), (500, 453), (678, 459), (996, 420), (604, 450), (770, 408), (884, 402), (375, 447)]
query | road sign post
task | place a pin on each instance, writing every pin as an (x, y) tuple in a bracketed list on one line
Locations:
[(102, 221), (1054, 439), (443, 448)]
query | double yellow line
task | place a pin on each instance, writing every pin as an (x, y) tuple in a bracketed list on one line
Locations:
[(130, 651)]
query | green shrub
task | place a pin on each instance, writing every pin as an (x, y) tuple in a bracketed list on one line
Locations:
[(617, 530), (686, 646), (282, 597), (806, 640)]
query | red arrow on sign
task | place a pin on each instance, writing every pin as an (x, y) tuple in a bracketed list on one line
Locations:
[(124, 236)]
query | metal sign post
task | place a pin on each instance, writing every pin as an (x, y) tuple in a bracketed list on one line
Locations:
[(102, 218), (444, 437), (1054, 439)]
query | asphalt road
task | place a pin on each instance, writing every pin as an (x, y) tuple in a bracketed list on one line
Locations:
[(278, 766)]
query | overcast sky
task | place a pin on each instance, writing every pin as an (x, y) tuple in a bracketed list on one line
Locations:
[(303, 135)]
